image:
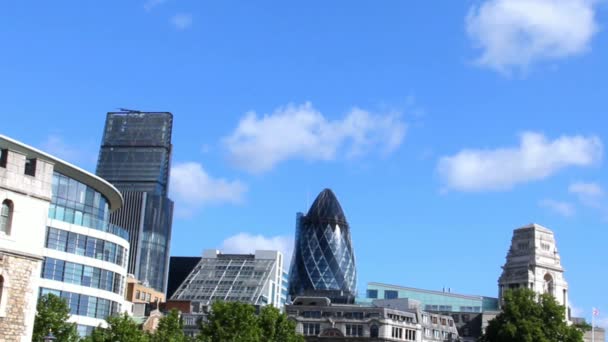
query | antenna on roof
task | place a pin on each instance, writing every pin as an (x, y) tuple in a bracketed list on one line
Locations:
[(129, 110)]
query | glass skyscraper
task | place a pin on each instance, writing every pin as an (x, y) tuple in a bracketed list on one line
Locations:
[(323, 262), (135, 156)]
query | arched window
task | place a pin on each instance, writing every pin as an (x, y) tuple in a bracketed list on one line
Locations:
[(373, 331), (549, 284), (6, 216)]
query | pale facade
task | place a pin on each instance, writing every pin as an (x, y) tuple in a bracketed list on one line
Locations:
[(533, 262), (317, 319), (25, 199)]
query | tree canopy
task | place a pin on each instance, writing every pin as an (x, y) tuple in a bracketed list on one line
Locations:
[(120, 328), (238, 322), (52, 313), (170, 329), (529, 317)]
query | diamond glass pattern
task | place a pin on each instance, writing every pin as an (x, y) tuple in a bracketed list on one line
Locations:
[(324, 261)]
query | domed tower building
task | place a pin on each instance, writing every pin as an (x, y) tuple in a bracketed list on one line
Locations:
[(323, 263), (533, 262)]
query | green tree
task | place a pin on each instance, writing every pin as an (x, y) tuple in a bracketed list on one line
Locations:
[(52, 313), (275, 327), (231, 322), (529, 317), (121, 328), (170, 329)]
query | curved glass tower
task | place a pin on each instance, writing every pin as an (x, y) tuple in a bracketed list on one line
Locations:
[(323, 262)]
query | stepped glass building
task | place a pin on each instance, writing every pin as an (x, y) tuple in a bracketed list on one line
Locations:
[(135, 156), (323, 263), (57, 239)]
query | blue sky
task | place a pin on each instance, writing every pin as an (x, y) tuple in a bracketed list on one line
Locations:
[(440, 128)]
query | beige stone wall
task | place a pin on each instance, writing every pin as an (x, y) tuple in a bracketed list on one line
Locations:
[(19, 297)]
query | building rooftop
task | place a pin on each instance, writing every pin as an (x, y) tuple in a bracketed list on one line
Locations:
[(326, 207), (442, 293)]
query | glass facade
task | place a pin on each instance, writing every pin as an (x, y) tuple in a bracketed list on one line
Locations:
[(438, 301), (135, 156), (136, 151), (76, 203), (323, 263), (79, 244), (73, 273), (228, 277), (83, 305)]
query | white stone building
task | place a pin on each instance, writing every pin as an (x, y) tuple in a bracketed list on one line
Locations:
[(58, 224), (534, 262)]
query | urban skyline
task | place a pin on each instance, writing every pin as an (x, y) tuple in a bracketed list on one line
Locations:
[(436, 145)]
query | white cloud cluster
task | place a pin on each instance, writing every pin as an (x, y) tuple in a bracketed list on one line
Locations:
[(565, 209), (248, 243), (517, 33), (535, 158), (151, 4), (590, 194), (301, 132), (193, 186), (181, 21)]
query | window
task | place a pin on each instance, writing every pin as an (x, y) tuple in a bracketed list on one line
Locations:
[(354, 330), (397, 332), (425, 319), (373, 331), (30, 167), (372, 293), (6, 216), (312, 329), (427, 332), (390, 294), (434, 320), (545, 246), (523, 245), (3, 157), (549, 284), (137, 294), (1, 296)]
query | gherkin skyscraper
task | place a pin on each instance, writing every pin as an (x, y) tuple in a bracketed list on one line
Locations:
[(323, 262)]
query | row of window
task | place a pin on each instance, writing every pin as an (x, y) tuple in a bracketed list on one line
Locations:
[(311, 329), (145, 296), (388, 294), (354, 330), (83, 305), (437, 320), (78, 274), (77, 203), (84, 245), (403, 334), (437, 334)]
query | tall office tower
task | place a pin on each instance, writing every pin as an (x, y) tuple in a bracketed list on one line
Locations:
[(323, 262), (135, 156), (533, 262)]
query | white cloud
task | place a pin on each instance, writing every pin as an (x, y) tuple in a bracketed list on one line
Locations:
[(301, 132), (517, 33), (181, 21), (248, 243), (193, 186), (589, 194), (562, 208), (534, 159), (150, 4)]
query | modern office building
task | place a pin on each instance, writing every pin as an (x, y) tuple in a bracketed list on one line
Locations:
[(60, 216), (249, 278), (533, 262), (443, 301), (323, 263), (135, 156), (257, 279), (380, 321)]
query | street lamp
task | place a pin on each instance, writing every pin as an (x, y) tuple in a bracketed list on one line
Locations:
[(49, 337)]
